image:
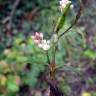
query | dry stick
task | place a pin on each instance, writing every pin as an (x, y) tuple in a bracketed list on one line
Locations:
[(76, 20), (12, 13)]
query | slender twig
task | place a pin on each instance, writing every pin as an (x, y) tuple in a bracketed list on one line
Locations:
[(13, 12)]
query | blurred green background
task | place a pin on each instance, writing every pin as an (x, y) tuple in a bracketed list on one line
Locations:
[(23, 64)]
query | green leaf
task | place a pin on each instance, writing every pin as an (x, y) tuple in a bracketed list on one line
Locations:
[(90, 54), (11, 84), (62, 18)]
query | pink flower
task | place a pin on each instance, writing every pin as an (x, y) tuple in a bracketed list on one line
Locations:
[(37, 37), (41, 43), (45, 44), (63, 4)]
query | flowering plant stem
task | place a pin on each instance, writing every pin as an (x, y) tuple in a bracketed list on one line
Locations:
[(52, 65)]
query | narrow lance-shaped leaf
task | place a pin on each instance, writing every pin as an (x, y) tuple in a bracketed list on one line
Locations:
[(75, 21), (61, 19)]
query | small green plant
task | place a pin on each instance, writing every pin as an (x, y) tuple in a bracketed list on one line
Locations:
[(30, 56), (52, 44)]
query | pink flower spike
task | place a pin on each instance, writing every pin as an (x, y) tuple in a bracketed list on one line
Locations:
[(63, 4), (40, 42)]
